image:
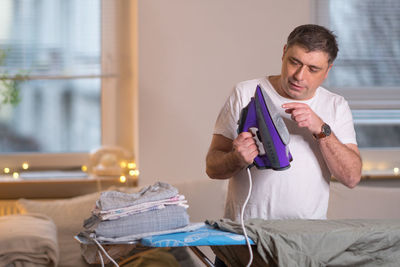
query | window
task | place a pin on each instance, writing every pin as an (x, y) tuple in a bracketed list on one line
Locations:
[(69, 103), (366, 72)]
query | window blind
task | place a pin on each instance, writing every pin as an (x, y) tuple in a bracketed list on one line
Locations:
[(366, 71), (58, 45), (369, 42), (51, 38)]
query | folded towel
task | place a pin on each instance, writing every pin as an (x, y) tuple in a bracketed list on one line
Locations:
[(171, 217), (28, 240)]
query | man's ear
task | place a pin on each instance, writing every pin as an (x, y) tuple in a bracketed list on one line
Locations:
[(327, 71), (284, 51)]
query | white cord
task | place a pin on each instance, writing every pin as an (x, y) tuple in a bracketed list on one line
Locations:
[(105, 253), (101, 258), (241, 218)]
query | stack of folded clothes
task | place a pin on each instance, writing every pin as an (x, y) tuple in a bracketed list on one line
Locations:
[(155, 209)]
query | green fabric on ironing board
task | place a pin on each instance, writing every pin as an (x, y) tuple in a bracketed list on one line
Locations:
[(352, 242)]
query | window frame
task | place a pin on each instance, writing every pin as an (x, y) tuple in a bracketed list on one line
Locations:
[(377, 162), (118, 91)]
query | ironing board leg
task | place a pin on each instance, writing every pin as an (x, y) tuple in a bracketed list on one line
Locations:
[(202, 257)]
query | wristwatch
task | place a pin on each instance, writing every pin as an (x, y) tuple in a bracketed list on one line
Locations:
[(325, 131)]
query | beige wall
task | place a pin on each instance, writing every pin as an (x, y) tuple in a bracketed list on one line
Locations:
[(191, 53)]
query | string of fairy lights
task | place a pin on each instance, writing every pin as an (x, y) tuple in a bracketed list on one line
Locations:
[(15, 174), (128, 171)]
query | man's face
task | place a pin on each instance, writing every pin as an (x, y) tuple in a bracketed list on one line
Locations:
[(302, 72)]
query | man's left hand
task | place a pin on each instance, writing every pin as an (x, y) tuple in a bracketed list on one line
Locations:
[(304, 116)]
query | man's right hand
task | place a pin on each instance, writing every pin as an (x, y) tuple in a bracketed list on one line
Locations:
[(245, 148), (226, 157)]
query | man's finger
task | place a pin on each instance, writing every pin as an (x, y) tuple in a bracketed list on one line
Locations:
[(244, 135), (299, 111), (293, 105), (289, 110)]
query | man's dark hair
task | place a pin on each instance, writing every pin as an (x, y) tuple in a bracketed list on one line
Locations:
[(314, 38)]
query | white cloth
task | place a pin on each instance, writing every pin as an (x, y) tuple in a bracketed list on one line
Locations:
[(302, 191), (28, 240)]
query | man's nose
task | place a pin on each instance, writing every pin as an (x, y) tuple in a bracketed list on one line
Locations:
[(299, 74)]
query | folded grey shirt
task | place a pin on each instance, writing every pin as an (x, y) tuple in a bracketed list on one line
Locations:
[(114, 199)]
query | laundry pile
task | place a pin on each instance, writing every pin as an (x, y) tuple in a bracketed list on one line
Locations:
[(155, 209)]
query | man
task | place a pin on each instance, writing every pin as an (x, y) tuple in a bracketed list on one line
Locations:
[(322, 136)]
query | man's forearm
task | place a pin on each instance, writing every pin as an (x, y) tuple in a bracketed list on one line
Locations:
[(343, 161), (222, 165)]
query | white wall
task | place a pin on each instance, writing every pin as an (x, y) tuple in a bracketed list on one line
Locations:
[(191, 54)]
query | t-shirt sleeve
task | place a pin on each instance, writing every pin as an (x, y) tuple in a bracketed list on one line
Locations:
[(344, 126), (228, 117)]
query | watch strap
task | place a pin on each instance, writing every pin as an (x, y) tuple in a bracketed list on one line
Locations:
[(320, 135)]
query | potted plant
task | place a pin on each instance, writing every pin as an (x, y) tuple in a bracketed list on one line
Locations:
[(9, 84)]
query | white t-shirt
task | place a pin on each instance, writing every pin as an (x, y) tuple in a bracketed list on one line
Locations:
[(302, 191)]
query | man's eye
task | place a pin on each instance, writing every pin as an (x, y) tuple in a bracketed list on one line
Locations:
[(313, 70)]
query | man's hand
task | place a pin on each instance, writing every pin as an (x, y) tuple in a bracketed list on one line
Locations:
[(304, 116), (245, 148), (343, 160), (226, 157)]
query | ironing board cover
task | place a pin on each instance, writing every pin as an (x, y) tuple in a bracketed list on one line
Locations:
[(204, 236)]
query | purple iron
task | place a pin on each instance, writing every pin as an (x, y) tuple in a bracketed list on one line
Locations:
[(262, 114)]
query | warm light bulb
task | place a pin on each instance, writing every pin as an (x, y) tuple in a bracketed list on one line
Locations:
[(25, 165), (396, 170), (131, 172), (84, 168), (15, 175), (122, 179), (123, 164), (6, 170), (136, 173), (367, 166), (131, 165)]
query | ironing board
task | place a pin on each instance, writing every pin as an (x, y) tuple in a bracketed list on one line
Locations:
[(203, 236)]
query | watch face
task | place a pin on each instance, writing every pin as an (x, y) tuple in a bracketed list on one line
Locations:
[(326, 129)]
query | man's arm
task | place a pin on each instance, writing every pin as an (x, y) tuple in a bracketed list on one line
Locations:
[(225, 157), (343, 160)]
